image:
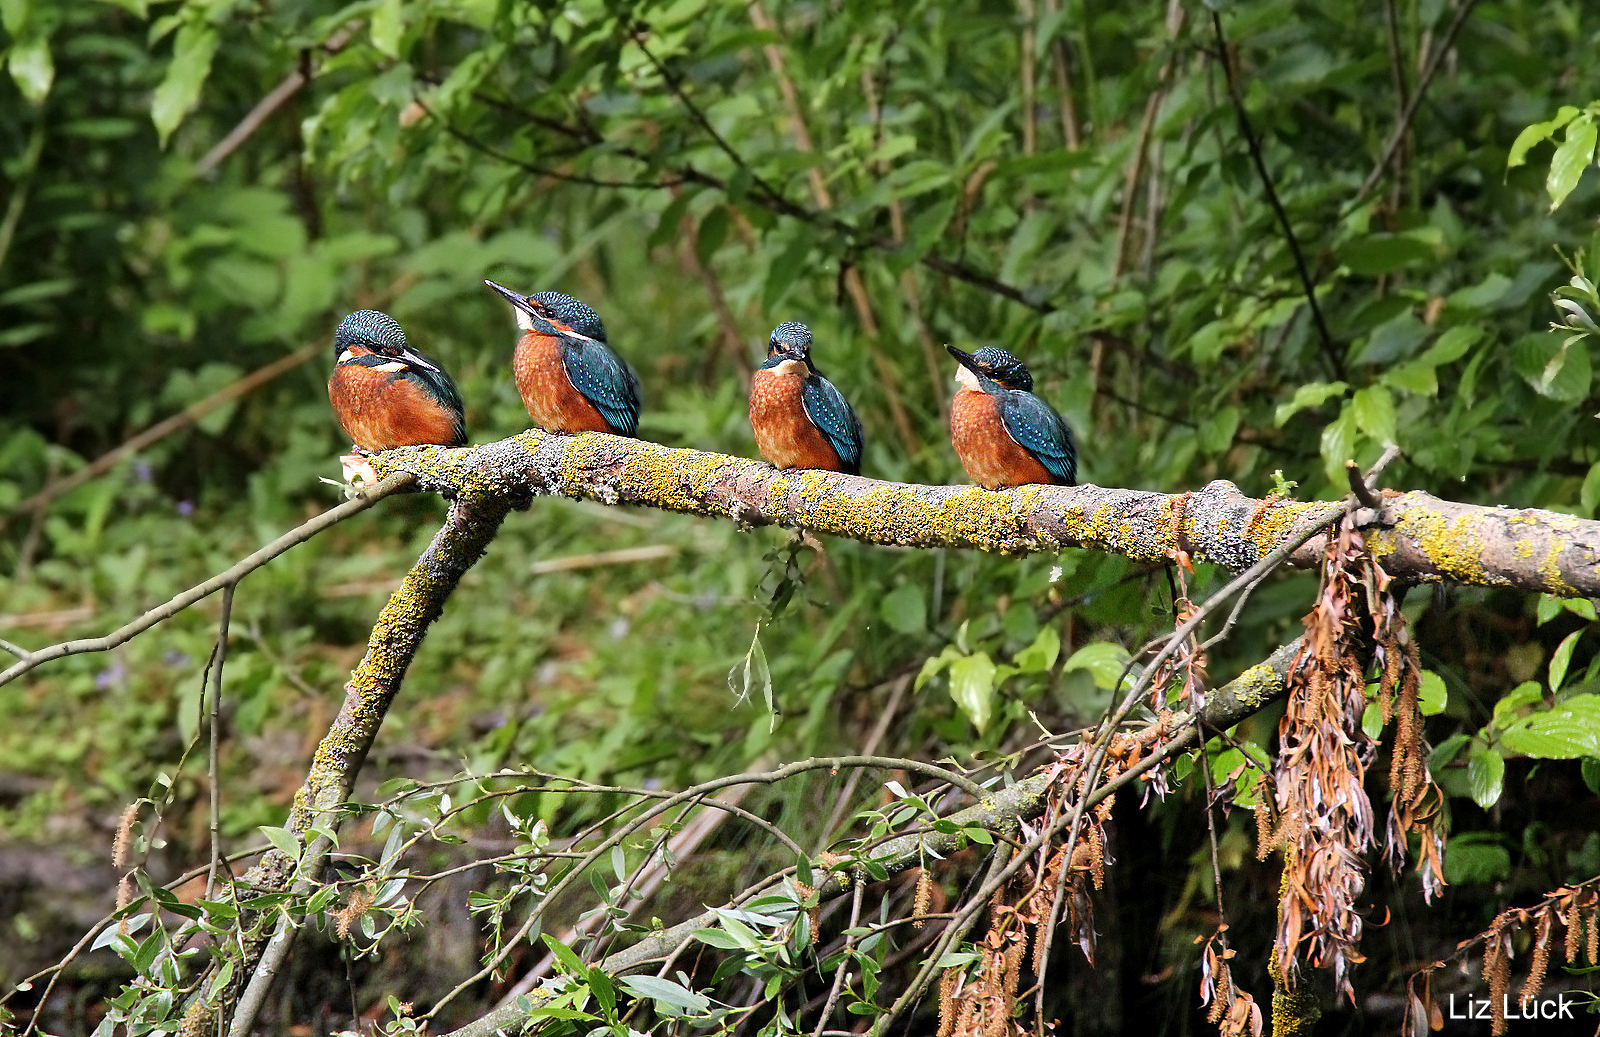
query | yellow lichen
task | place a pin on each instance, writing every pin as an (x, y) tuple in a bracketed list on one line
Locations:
[(1453, 548)]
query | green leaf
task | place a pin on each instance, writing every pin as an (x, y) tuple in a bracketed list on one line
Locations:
[(1452, 345), (1042, 654), (972, 686), (1338, 442), (1537, 132), (1377, 254), (1514, 701), (386, 28), (1581, 607), (905, 610), (1575, 154), (1374, 414), (1105, 661), (1568, 374), (32, 67), (284, 840), (179, 91), (1216, 432), (1414, 377), (1590, 768), (1372, 720), (1561, 659), (717, 938), (571, 964), (1566, 731), (1476, 857), (1486, 773), (1432, 696), (1589, 494), (666, 992), (1312, 395)]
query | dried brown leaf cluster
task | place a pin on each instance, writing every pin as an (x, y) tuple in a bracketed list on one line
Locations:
[(1233, 1011), (1576, 907), (980, 997), (1323, 819), (1416, 801), (361, 899), (1323, 756)]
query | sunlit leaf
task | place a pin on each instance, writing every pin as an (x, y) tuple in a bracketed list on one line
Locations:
[(179, 91)]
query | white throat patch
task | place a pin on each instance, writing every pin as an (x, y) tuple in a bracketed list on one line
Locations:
[(967, 379)]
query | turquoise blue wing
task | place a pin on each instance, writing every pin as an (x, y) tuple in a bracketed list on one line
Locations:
[(428, 376), (605, 380), (1039, 430), (833, 415)]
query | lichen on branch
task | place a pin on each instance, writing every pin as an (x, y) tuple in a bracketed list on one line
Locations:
[(1415, 536)]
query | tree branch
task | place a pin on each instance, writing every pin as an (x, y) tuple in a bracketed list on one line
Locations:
[(999, 812), (416, 603), (300, 534), (1307, 282), (1421, 537)]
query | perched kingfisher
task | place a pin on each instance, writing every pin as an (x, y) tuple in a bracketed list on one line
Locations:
[(569, 378), (799, 418), (387, 394), (1003, 433)]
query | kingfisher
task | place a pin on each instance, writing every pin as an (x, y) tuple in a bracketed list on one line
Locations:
[(1003, 433), (569, 377), (387, 394), (799, 418)]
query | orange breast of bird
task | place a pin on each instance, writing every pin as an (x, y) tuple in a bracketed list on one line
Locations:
[(380, 410), (784, 435), (991, 457), (553, 403)]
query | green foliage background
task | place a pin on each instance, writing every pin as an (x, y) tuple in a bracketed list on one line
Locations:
[(1067, 180)]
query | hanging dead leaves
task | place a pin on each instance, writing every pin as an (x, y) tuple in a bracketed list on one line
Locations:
[(1575, 907), (1324, 817)]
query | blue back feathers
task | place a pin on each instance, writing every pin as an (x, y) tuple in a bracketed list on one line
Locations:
[(824, 404), (595, 370), (1039, 430), (1032, 422)]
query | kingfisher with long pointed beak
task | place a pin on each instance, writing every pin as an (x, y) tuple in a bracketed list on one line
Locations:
[(569, 377), (800, 419), (387, 394), (1003, 433)]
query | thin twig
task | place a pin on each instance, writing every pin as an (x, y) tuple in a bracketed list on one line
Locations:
[(227, 578), (1359, 487), (1403, 126), (213, 767), (264, 108), (621, 833), (1329, 347), (860, 884), (161, 429)]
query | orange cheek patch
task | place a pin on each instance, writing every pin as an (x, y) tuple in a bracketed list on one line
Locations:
[(784, 435), (552, 401), (991, 457)]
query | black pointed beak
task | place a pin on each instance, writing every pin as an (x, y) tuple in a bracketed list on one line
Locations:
[(540, 324), (964, 359), (519, 301)]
